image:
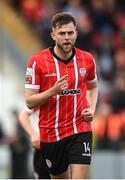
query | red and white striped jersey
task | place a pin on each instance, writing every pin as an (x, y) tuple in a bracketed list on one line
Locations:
[(61, 117)]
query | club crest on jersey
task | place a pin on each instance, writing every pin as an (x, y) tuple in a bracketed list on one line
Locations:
[(82, 71)]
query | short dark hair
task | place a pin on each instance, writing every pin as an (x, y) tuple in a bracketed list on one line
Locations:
[(60, 19)]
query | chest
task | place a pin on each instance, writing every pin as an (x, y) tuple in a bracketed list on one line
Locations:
[(54, 70)]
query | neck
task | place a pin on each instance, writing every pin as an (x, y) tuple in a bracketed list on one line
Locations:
[(63, 55)]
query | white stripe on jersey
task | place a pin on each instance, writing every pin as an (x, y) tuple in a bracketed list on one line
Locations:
[(57, 102), (75, 97), (33, 78), (29, 111), (30, 86)]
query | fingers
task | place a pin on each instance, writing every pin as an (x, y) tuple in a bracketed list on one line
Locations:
[(65, 77), (35, 140), (64, 86), (63, 82), (36, 144), (87, 115)]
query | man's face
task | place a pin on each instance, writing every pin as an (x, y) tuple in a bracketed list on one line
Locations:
[(65, 37)]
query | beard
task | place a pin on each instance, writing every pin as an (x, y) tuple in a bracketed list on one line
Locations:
[(66, 47)]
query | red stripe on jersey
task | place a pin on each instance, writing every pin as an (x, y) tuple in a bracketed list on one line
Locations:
[(62, 102), (50, 77)]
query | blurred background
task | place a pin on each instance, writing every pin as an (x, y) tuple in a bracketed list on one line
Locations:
[(24, 30)]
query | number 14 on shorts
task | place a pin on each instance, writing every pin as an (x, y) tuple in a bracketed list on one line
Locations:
[(87, 151)]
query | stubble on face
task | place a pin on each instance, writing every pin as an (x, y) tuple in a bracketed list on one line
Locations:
[(66, 47)]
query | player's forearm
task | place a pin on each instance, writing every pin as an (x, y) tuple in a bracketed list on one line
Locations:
[(25, 122), (92, 96), (39, 99)]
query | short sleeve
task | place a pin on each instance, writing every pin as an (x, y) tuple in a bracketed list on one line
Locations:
[(30, 111), (91, 74), (32, 74)]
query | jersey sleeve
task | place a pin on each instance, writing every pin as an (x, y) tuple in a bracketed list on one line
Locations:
[(30, 111), (32, 74), (91, 74)]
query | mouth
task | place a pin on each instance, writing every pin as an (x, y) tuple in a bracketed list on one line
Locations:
[(67, 44)]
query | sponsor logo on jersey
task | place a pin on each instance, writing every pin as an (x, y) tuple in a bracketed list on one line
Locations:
[(29, 72), (69, 92), (29, 75), (82, 71), (50, 75)]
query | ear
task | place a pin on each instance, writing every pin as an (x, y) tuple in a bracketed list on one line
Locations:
[(76, 34), (52, 34)]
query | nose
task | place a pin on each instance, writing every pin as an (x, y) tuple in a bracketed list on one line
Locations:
[(66, 36)]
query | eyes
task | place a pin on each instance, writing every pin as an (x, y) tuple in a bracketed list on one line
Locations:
[(66, 33)]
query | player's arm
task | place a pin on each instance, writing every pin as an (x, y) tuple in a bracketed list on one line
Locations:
[(35, 98), (91, 96), (92, 89), (24, 119)]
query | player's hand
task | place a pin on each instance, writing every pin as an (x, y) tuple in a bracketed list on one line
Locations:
[(60, 85), (87, 114), (35, 140)]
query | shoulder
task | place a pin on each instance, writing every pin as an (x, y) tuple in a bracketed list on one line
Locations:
[(41, 54), (85, 55), (81, 52)]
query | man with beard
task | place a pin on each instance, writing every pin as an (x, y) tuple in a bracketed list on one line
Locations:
[(62, 81)]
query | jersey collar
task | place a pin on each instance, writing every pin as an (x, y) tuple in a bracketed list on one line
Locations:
[(62, 60)]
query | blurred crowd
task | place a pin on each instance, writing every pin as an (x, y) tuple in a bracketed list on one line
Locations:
[(101, 27), (19, 149)]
